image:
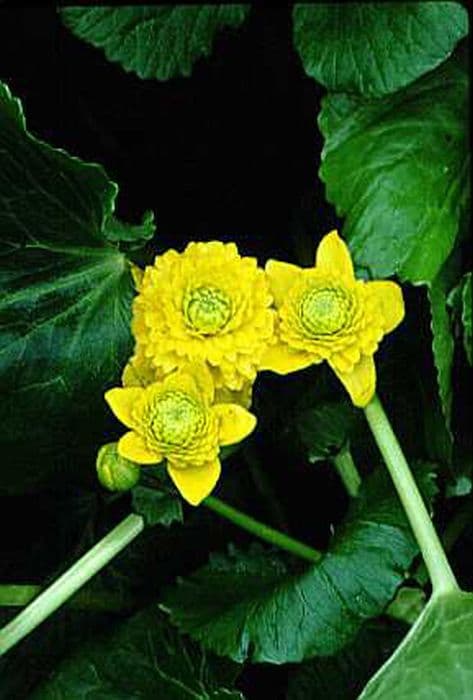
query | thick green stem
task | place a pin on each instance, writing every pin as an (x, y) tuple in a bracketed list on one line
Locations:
[(262, 531), (347, 471), (436, 561), (67, 584)]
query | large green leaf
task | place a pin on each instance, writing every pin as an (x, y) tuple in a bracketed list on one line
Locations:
[(251, 605), (153, 41), (143, 659), (436, 658), (398, 170), (375, 48), (65, 303)]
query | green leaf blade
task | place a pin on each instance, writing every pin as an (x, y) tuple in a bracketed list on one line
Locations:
[(153, 42), (144, 658), (467, 294), (443, 347), (156, 507), (398, 170), (251, 606), (66, 302), (375, 48), (440, 644), (324, 428)]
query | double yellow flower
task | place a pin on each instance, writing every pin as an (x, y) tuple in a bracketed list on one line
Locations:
[(207, 320), (324, 313)]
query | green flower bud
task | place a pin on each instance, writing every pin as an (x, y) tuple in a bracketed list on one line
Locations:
[(115, 472)]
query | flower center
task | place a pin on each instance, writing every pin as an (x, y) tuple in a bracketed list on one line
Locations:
[(207, 309), (176, 418), (324, 311)]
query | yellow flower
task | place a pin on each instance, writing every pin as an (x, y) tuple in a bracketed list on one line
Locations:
[(324, 313), (176, 419), (208, 305)]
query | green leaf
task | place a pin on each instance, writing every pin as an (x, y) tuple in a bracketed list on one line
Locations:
[(341, 677), (460, 299), (398, 170), (157, 507), (408, 603), (65, 303), (153, 41), (435, 660), (116, 231), (145, 658), (375, 48), (442, 347), (324, 428), (467, 295), (250, 605)]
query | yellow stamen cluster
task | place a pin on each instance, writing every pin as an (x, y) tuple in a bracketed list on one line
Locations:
[(207, 310)]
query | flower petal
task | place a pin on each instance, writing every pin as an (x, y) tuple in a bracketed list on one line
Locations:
[(281, 359), (139, 371), (133, 447), (234, 422), (196, 482), (388, 296), (123, 401), (242, 396), (333, 256), (205, 383), (281, 276), (360, 382)]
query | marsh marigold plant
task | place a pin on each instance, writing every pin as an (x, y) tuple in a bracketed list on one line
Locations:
[(207, 304), (177, 419), (324, 313)]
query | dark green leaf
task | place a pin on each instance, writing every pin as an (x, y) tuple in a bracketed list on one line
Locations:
[(436, 658), (65, 305), (376, 48), (325, 428), (442, 346), (341, 677), (144, 658), (157, 507), (251, 606), (153, 41), (460, 299), (467, 294), (398, 170)]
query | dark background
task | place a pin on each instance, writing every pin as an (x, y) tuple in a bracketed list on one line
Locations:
[(230, 153)]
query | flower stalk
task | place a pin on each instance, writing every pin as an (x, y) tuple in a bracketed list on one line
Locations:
[(441, 575), (264, 532), (346, 468)]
